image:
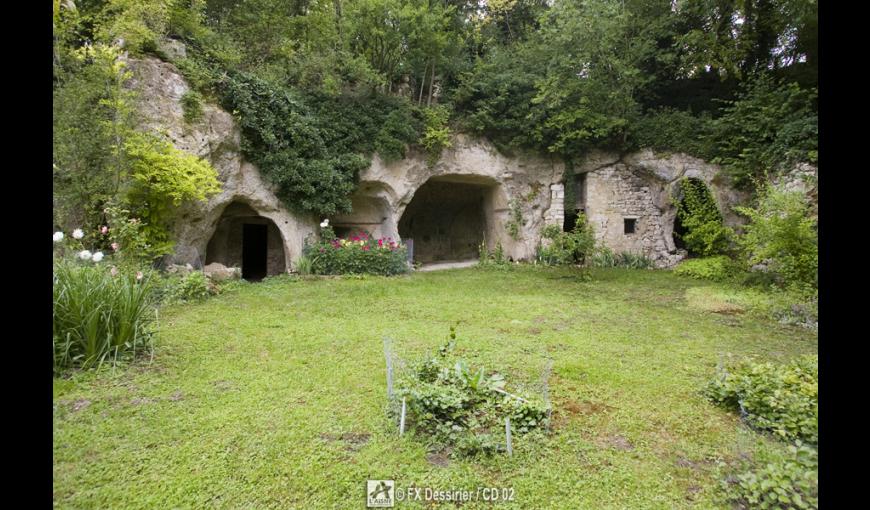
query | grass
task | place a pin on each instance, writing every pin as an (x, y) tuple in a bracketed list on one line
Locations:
[(273, 395)]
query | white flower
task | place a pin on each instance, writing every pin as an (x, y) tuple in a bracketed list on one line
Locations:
[(58, 237), (78, 234), (325, 223), (97, 256), (85, 255)]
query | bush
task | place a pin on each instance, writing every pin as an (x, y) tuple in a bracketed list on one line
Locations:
[(361, 254), (705, 233), (99, 316), (605, 257), (782, 399), (717, 269), (782, 234), (193, 286), (786, 484), (465, 408), (564, 248)]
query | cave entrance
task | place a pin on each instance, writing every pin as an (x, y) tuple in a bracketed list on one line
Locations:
[(249, 241), (448, 218)]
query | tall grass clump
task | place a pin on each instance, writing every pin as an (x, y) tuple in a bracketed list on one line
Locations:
[(99, 315)]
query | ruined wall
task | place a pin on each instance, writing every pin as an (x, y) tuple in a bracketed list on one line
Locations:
[(617, 187)]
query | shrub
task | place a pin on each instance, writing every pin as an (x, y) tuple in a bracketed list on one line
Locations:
[(564, 248), (495, 258), (193, 286), (361, 254), (705, 233), (164, 177), (782, 399), (605, 257), (789, 483), (717, 268), (458, 406), (99, 316), (782, 234)]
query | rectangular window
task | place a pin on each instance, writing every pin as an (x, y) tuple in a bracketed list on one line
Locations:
[(630, 224)]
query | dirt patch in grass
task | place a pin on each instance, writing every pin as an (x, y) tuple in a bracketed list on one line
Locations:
[(616, 442), (569, 409), (175, 397), (353, 441), (224, 385), (440, 459)]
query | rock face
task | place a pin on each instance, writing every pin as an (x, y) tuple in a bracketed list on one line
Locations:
[(216, 138), (472, 195)]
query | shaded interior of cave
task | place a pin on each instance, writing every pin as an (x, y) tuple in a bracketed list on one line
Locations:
[(446, 220), (247, 240)]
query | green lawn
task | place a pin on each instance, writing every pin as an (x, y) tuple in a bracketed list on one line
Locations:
[(273, 395)]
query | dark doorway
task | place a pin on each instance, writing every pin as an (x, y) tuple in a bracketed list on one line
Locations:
[(254, 247)]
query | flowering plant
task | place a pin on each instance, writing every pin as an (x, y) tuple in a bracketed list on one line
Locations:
[(357, 254)]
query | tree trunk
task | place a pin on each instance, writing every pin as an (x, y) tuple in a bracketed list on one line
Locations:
[(431, 84), (422, 84)]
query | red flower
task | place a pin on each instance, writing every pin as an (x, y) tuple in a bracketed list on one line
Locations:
[(380, 242)]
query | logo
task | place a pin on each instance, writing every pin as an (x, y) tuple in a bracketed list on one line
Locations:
[(380, 493)]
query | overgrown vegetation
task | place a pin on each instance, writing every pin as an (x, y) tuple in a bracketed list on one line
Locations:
[(782, 235), (605, 257), (564, 248), (717, 268), (704, 232), (466, 408), (782, 400)]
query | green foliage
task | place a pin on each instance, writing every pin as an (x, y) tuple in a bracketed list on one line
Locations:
[(672, 130), (782, 233), (129, 239), (304, 265), (310, 147), (98, 317), (191, 104), (705, 234), (605, 257), (459, 406), (785, 484), (191, 287), (767, 130), (716, 268), (360, 254), (495, 258), (139, 24), (92, 116), (575, 247), (436, 134), (782, 399), (162, 178)]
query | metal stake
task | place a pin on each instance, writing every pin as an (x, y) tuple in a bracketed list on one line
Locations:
[(402, 420), (507, 433)]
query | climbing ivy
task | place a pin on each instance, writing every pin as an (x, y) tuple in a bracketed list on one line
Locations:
[(705, 233)]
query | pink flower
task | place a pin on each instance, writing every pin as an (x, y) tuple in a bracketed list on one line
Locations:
[(139, 275), (380, 243), (104, 230), (115, 246), (365, 248)]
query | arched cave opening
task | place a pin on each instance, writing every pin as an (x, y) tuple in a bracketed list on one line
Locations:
[(247, 240), (448, 218), (693, 197)]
